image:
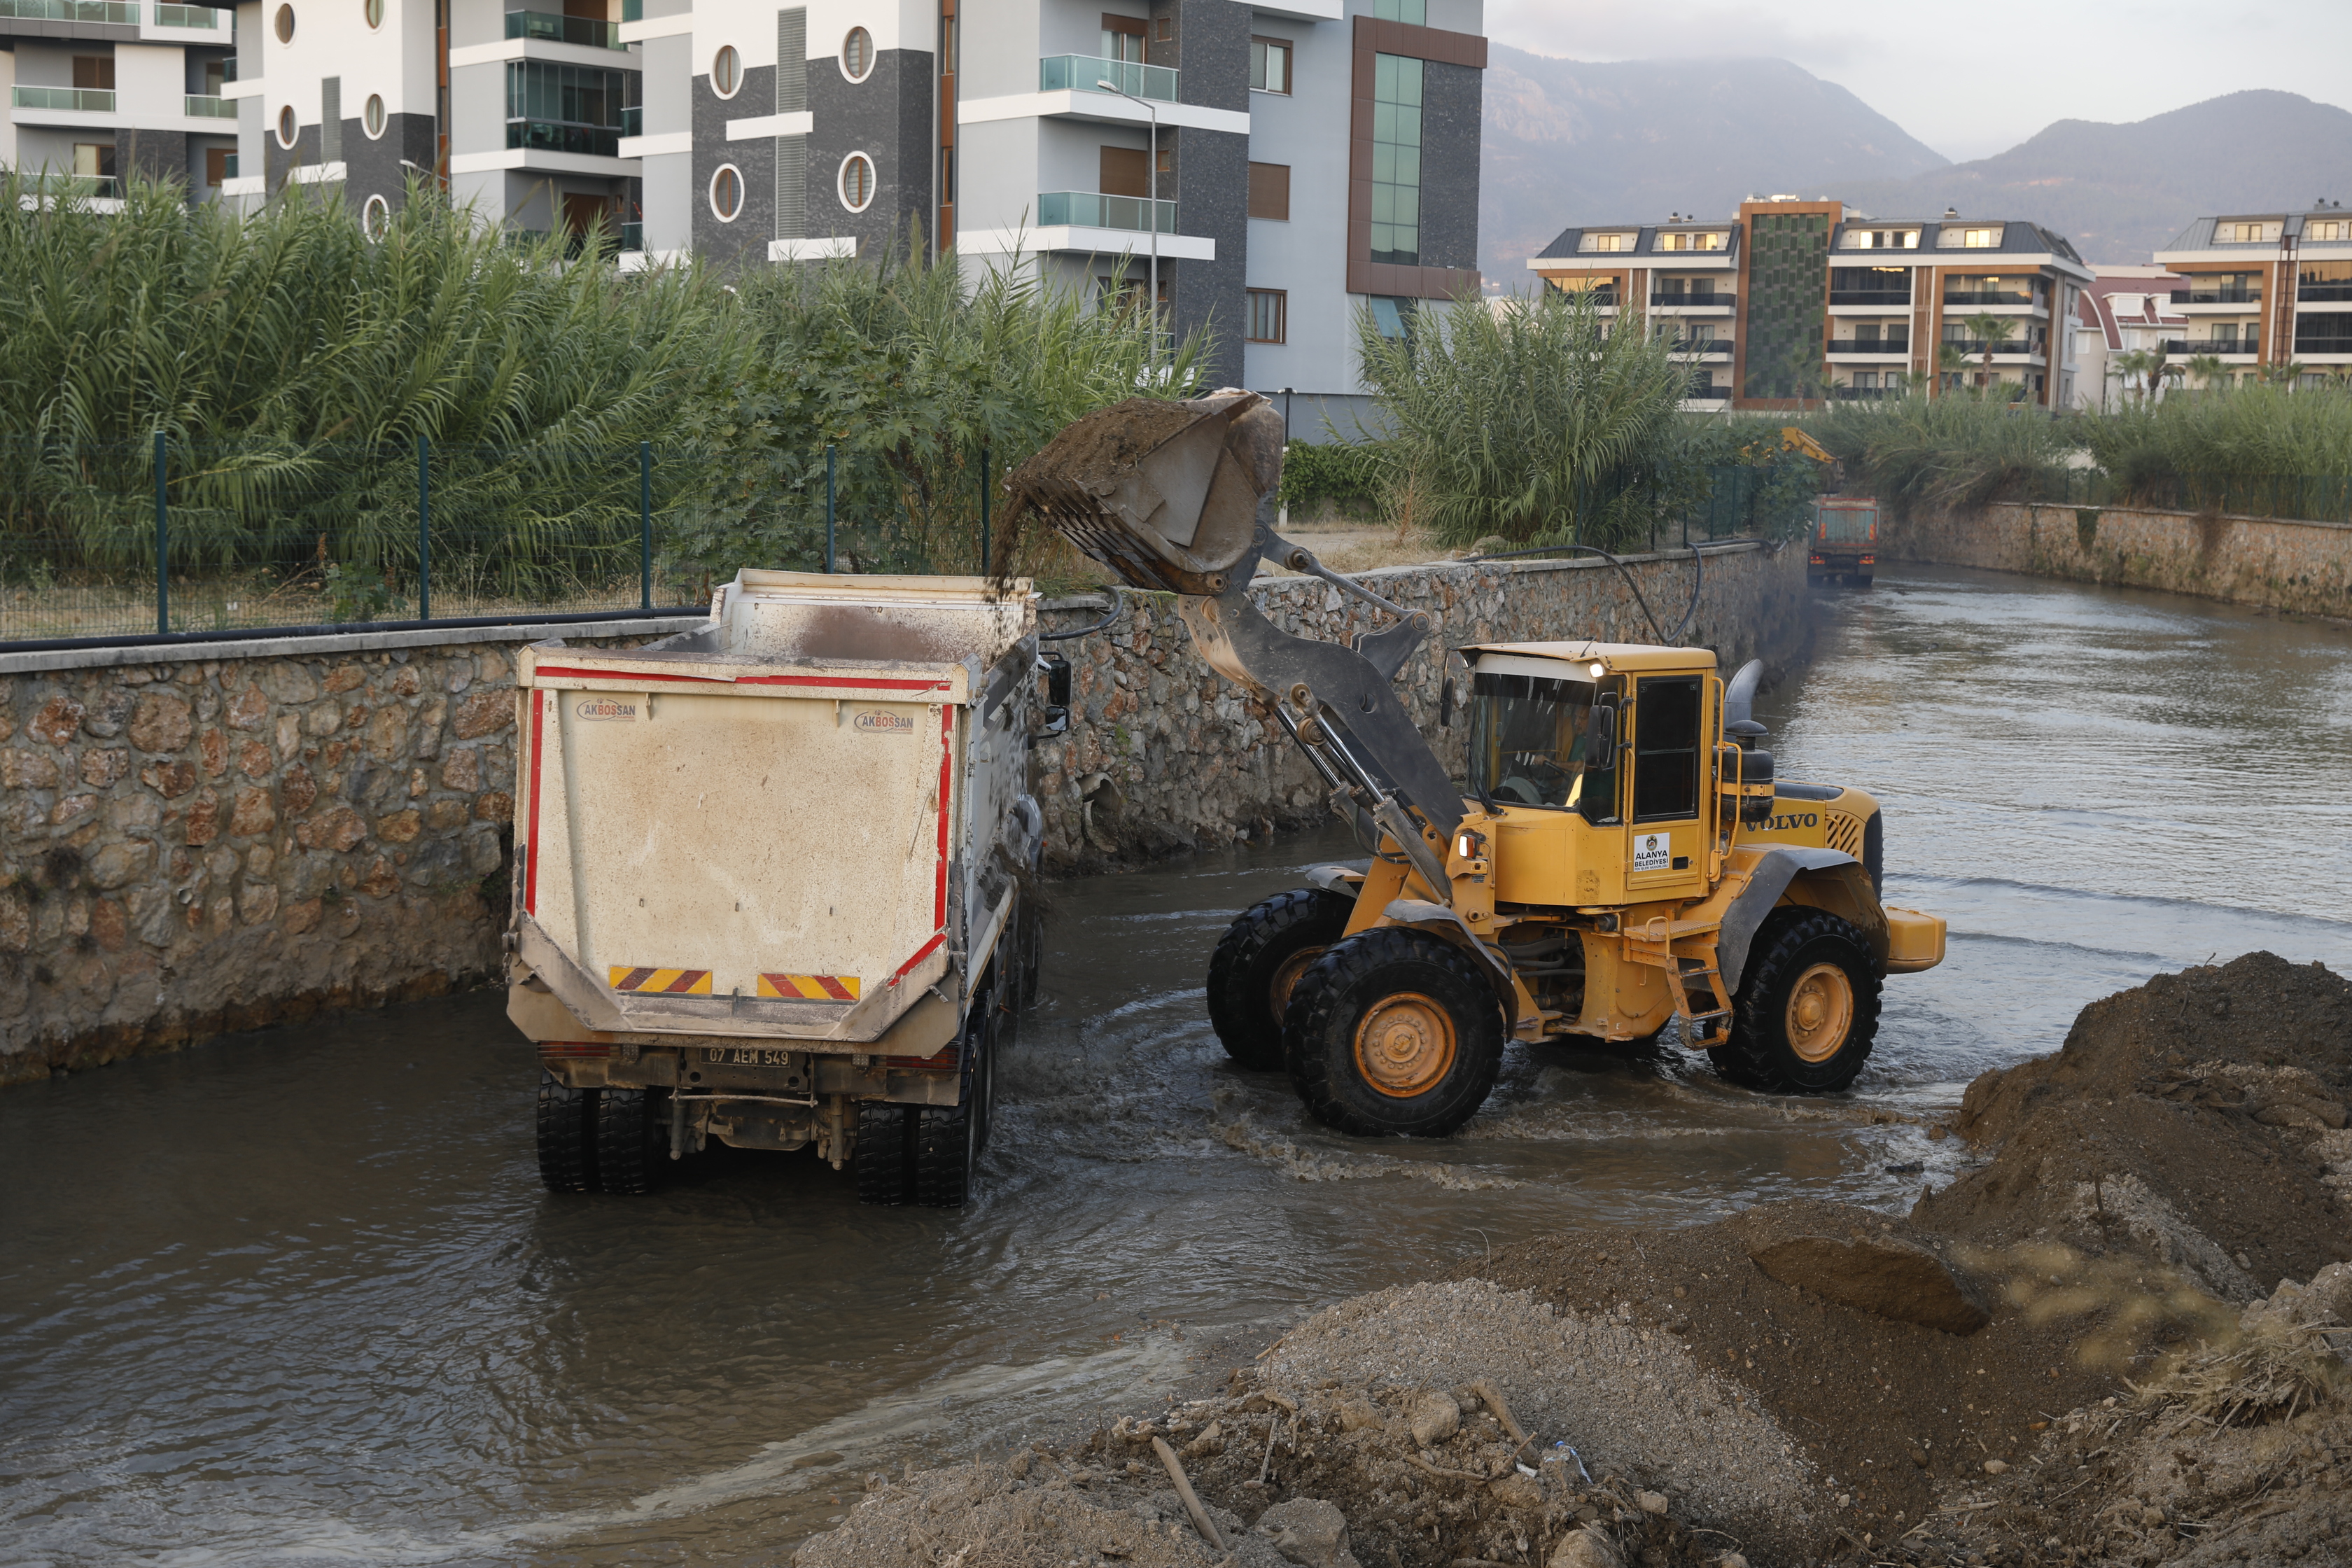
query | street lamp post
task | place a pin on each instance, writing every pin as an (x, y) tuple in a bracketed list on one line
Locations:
[(1151, 200)]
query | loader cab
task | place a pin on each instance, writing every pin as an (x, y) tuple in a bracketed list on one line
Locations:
[(1596, 756)]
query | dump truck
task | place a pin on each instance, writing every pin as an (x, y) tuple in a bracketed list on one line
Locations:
[(1620, 859), (1844, 544), (771, 881)]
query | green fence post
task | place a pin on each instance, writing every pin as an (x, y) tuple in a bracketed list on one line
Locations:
[(423, 527), (163, 545), (828, 506), (984, 509), (645, 522)]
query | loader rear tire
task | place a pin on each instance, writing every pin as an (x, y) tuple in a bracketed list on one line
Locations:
[(567, 1149), (632, 1133), (1393, 1031), (1807, 1011), (1257, 964), (884, 1155)]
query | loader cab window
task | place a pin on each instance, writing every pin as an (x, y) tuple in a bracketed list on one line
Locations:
[(1665, 749), (1526, 739)]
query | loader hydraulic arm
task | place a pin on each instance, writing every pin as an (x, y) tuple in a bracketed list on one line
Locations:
[(1178, 496)]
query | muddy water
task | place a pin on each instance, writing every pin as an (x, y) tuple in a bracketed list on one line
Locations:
[(299, 1299)]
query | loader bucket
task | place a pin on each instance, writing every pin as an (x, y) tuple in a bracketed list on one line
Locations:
[(1164, 493)]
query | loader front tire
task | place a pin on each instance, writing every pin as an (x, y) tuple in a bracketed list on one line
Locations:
[(1807, 1011), (1393, 1031), (567, 1149), (1257, 964), (632, 1132)]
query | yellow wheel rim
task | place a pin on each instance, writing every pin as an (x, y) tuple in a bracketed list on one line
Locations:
[(1405, 1045), (1287, 976), (1821, 1011)]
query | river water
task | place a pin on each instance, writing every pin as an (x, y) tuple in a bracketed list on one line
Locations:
[(298, 1298)]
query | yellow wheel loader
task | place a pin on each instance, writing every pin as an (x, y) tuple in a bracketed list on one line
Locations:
[(1621, 857)]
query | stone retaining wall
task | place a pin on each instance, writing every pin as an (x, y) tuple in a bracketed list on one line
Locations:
[(2270, 561), (197, 842)]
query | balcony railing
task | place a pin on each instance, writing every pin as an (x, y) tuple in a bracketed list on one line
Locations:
[(2314, 292), (202, 106), (100, 186), (1079, 73), (633, 120), (1870, 296), (632, 10), (1085, 209), (1707, 347), (1975, 348), (81, 99), (549, 136), (1870, 345), (588, 32), (1690, 298), (1989, 296), (202, 17), (1864, 393), (2191, 347), (228, 69), (2322, 346), (2217, 295), (109, 12), (633, 236), (1706, 394)]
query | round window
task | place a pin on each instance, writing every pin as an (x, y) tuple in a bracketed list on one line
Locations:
[(858, 54), (375, 218), (374, 9), (726, 71), (726, 193), (284, 25), (856, 182), (372, 117), (286, 127)]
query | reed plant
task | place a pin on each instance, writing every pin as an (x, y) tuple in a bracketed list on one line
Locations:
[(1920, 452)]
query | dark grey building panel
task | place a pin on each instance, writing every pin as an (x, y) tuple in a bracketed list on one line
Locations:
[(372, 165), (745, 240), (151, 154), (887, 117), (1450, 106), (279, 162), (1209, 181)]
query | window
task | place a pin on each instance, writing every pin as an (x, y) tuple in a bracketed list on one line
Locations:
[(1269, 65), (1953, 238), (568, 108), (1267, 307), (372, 117), (1713, 241), (2237, 232), (856, 182), (726, 193), (858, 54), (1606, 242), (1392, 318), (94, 72), (1665, 749), (284, 25), (2329, 232), (1122, 39), (94, 160), (1396, 160), (1879, 239), (1123, 172), (373, 11), (1526, 737), (1269, 191), (1866, 380), (375, 218), (220, 164), (726, 71), (1415, 12), (285, 126)]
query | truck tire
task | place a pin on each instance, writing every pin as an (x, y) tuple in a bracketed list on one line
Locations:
[(1807, 1011), (1393, 1030), (632, 1135), (567, 1148), (949, 1138), (1257, 964), (1032, 948), (884, 1155)]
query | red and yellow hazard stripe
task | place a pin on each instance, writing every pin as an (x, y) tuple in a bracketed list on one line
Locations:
[(810, 988), (669, 981)]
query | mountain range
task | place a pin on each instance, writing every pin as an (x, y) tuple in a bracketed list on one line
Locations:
[(1570, 143)]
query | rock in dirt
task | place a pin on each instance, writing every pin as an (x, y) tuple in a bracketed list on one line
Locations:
[(1308, 1532), (1584, 1549), (1908, 1284), (1434, 1417)]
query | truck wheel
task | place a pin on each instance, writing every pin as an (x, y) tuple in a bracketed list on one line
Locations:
[(1257, 962), (1393, 1031), (1808, 1005), (949, 1138), (1032, 948), (567, 1151), (884, 1155), (632, 1133)]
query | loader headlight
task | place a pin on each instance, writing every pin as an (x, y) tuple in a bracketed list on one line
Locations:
[(1465, 848), (1599, 669)]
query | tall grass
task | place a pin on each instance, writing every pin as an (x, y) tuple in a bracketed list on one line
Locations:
[(1921, 453), (1529, 421), (2243, 433)]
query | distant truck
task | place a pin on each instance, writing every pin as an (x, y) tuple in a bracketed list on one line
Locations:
[(774, 881), (1845, 545)]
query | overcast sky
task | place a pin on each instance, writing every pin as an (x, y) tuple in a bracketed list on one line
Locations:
[(1973, 78)]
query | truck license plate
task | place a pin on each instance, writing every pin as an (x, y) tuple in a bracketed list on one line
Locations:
[(746, 1057)]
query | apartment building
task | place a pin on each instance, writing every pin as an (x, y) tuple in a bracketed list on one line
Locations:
[(1275, 166), (2125, 310), (100, 89), (2265, 289), (1793, 301)]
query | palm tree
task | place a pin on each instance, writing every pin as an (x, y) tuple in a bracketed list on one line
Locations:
[(2209, 370), (1992, 331), (1951, 360), (2284, 374)]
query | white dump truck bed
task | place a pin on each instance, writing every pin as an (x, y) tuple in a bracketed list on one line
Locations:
[(792, 823)]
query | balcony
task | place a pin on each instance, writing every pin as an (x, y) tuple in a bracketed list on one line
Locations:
[(203, 18), (1989, 296), (109, 12), (1709, 348), (2316, 345), (78, 100), (633, 236), (101, 186), (547, 27), (1975, 348), (633, 120), (2217, 295), (1080, 73), (551, 136), (1870, 346), (200, 106), (1693, 301), (1087, 209), (1889, 297), (2225, 347), (1706, 394), (2312, 293)]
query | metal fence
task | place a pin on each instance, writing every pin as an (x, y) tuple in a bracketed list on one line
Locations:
[(2303, 498), (161, 537)]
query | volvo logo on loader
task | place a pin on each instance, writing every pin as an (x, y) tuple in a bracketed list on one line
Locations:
[(605, 708), (1793, 821), (878, 723)]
